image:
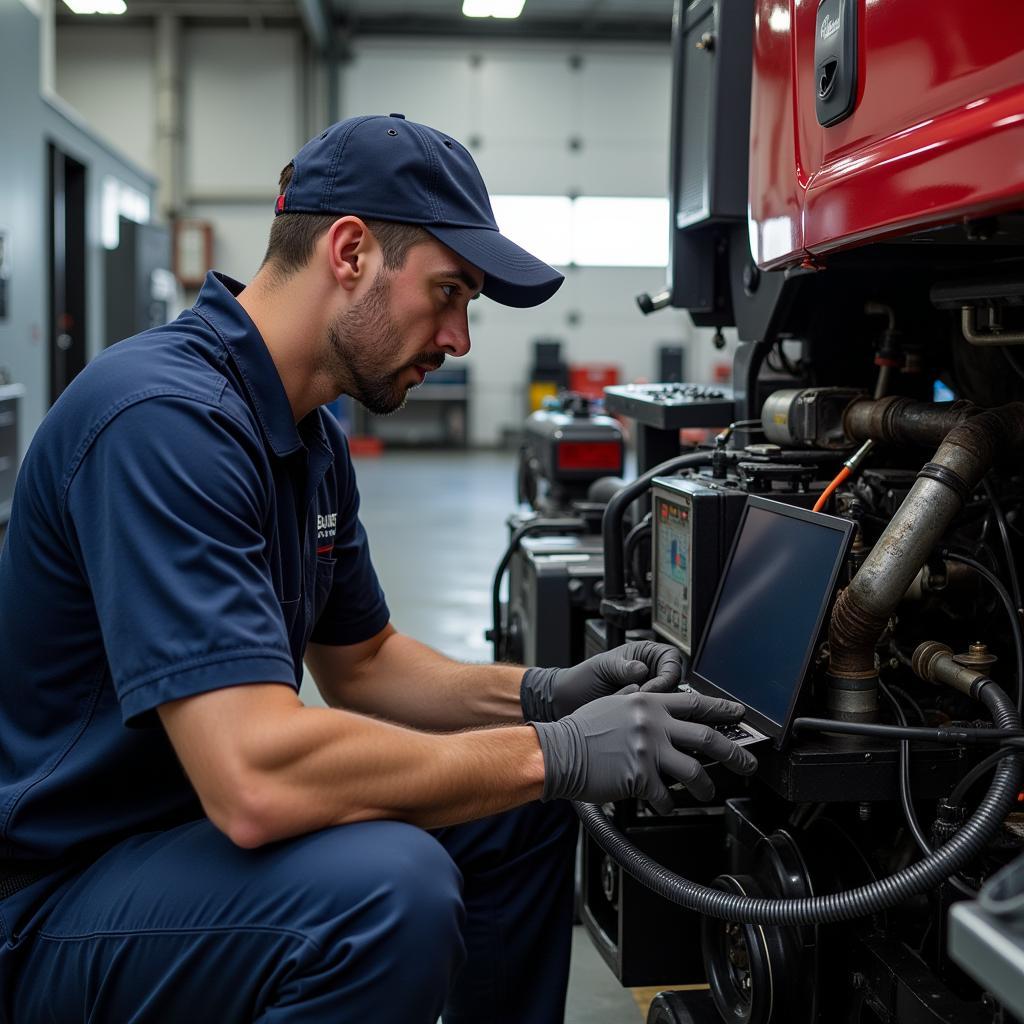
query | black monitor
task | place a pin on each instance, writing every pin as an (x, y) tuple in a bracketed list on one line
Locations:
[(775, 590), (712, 57)]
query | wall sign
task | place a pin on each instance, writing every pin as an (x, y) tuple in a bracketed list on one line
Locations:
[(193, 251)]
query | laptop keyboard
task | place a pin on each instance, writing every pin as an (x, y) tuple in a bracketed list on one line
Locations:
[(732, 732)]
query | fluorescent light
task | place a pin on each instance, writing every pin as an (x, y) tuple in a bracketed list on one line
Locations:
[(97, 6), (491, 8), (507, 8)]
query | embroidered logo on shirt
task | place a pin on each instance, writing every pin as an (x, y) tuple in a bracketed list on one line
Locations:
[(325, 528)]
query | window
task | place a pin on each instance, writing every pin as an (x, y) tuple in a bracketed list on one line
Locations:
[(591, 231), (540, 224), (613, 232)]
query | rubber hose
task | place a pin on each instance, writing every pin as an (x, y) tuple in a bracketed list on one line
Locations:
[(615, 511), (533, 526), (633, 539), (962, 847)]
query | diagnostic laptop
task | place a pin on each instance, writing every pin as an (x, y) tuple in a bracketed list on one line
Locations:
[(763, 627)]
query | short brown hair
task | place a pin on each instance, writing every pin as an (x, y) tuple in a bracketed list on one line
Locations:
[(293, 236)]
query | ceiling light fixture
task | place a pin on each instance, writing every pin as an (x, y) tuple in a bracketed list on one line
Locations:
[(97, 6), (491, 8)]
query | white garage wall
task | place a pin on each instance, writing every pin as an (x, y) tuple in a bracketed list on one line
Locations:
[(242, 117), (541, 119), (107, 76), (242, 111), (544, 119)]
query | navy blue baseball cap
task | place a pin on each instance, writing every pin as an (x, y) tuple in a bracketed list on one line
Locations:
[(389, 168)]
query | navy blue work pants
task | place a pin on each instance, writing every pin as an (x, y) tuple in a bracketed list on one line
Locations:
[(373, 922)]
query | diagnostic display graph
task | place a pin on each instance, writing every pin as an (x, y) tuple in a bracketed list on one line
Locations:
[(672, 573)]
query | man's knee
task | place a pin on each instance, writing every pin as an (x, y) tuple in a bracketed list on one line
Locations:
[(328, 919), (383, 880), (419, 878)]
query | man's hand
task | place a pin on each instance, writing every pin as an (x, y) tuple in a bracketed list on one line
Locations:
[(548, 694), (632, 744)]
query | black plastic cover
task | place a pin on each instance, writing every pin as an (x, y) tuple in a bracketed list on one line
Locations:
[(835, 61)]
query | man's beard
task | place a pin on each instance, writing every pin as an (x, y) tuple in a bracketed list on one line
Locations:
[(362, 343)]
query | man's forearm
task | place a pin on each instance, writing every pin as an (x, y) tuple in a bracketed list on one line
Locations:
[(408, 682), (359, 769), (291, 769)]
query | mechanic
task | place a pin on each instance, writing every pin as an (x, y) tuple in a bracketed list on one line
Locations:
[(180, 837)]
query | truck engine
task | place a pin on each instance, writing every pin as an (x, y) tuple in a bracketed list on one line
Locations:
[(842, 554)]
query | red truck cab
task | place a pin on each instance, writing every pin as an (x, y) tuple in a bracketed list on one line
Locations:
[(936, 133)]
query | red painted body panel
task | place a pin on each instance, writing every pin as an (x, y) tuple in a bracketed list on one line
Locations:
[(937, 132)]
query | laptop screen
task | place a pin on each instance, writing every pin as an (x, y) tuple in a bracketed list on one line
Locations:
[(775, 589)]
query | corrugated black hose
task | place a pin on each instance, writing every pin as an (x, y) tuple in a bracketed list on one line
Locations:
[(961, 848)]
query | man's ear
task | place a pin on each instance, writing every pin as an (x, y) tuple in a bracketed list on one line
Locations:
[(349, 245)]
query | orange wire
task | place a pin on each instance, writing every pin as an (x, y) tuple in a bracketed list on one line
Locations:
[(827, 493)]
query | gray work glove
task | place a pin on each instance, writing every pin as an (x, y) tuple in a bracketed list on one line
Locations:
[(547, 694), (635, 744)]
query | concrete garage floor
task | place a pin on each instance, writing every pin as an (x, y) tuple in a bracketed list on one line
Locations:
[(436, 523)]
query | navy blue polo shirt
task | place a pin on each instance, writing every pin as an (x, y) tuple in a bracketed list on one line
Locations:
[(173, 532)]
